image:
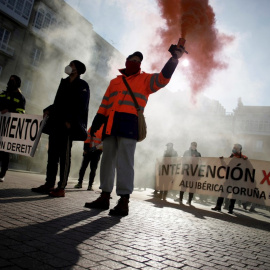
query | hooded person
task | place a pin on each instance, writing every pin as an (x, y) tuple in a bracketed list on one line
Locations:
[(67, 122), (120, 133), (236, 153), (11, 100)]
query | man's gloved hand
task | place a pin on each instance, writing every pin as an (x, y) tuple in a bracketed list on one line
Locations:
[(177, 53), (92, 132)]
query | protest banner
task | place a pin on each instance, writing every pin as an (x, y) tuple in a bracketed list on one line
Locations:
[(18, 133), (246, 180)]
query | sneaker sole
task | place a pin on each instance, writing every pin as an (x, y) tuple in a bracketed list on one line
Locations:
[(89, 205), (41, 192)]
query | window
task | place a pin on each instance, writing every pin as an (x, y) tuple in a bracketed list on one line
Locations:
[(39, 18), (35, 57), (44, 19), (11, 4), (27, 10), (27, 88), (47, 20), (4, 39), (4, 35), (18, 9)]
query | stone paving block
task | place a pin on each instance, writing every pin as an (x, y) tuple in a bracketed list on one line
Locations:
[(135, 264), (4, 263), (173, 264), (153, 257), (139, 258), (86, 263), (116, 258), (192, 263), (112, 264), (11, 268), (100, 267), (155, 264)]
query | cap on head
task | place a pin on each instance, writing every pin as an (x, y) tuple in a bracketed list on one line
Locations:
[(169, 144), (239, 146), (138, 54), (79, 66), (17, 79)]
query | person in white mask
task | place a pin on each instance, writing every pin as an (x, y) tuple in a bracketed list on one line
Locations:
[(67, 122)]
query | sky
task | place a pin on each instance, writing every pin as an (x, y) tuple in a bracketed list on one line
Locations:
[(132, 25)]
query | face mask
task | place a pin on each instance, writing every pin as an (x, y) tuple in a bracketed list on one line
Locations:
[(132, 67), (234, 151), (68, 70)]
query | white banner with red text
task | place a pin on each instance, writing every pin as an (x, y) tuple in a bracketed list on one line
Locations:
[(20, 133), (233, 178)]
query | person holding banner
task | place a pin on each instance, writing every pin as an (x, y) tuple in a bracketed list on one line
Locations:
[(169, 152), (13, 101), (236, 153), (92, 150), (67, 121), (191, 152)]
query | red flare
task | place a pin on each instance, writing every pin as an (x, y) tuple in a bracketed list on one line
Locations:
[(194, 20)]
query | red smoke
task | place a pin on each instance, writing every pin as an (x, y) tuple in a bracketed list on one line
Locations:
[(194, 20)]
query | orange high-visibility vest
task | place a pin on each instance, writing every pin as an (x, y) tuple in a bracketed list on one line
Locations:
[(118, 99), (94, 141)]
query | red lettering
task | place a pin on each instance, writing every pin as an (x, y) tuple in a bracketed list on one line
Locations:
[(266, 178)]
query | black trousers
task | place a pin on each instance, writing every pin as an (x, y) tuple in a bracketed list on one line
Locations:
[(92, 158), (190, 196), (4, 163), (220, 201), (59, 151)]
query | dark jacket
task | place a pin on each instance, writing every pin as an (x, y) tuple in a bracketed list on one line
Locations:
[(12, 101), (192, 153), (170, 153), (70, 105), (118, 104)]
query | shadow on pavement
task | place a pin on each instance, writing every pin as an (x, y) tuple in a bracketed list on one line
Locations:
[(12, 195), (236, 218), (54, 243)]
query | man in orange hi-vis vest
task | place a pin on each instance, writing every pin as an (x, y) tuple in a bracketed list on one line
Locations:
[(120, 133), (92, 150)]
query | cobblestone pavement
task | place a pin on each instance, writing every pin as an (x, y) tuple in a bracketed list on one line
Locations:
[(39, 232)]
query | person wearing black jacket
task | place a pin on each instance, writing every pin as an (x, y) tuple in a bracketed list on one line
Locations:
[(12, 101), (67, 122)]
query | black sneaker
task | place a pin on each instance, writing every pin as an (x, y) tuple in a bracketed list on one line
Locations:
[(102, 202), (216, 209), (121, 209), (43, 189)]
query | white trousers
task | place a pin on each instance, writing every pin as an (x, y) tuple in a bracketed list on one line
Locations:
[(118, 154)]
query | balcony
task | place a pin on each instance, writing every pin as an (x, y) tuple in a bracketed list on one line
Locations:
[(6, 49)]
